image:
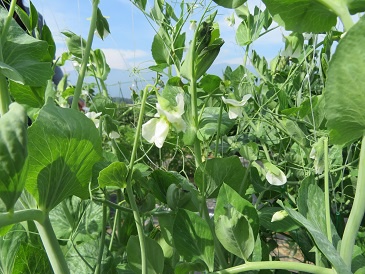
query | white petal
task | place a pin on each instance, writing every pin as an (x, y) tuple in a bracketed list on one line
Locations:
[(276, 179), (148, 130), (236, 103), (161, 131), (279, 215), (180, 103), (179, 125), (114, 135), (234, 112)]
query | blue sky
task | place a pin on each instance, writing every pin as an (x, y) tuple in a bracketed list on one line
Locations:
[(127, 48)]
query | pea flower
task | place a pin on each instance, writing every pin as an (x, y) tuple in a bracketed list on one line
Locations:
[(235, 107), (279, 215), (156, 130), (114, 135), (93, 116), (274, 175)]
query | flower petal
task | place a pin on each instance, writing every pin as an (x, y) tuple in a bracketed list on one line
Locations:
[(148, 130), (234, 112), (114, 135), (276, 179), (161, 131)]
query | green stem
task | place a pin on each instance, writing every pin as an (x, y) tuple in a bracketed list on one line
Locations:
[(326, 190), (7, 22), (85, 59), (4, 95), (341, 10), (271, 265), (52, 246), (110, 204), (357, 211), (21, 216), (132, 200), (102, 241), (218, 130)]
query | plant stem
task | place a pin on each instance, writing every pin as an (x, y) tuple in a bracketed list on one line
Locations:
[(357, 211), (218, 130), (85, 59), (52, 246), (132, 200), (341, 10), (102, 241), (7, 22), (326, 190), (4, 95), (21, 216), (271, 265)]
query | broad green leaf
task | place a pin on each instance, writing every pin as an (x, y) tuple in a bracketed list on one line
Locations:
[(345, 93), (230, 4), (214, 172), (77, 220), (301, 15), (114, 175), (193, 238), (9, 245), (210, 84), (13, 154), (227, 198), (154, 254), (188, 267), (26, 95), (235, 233), (208, 123), (63, 147), (26, 59), (321, 241), (285, 225)]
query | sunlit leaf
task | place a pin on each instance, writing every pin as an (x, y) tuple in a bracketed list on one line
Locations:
[(63, 147), (114, 175), (345, 88), (13, 154), (231, 4), (301, 15), (26, 60)]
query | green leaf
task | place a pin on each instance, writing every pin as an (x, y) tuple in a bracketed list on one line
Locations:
[(114, 175), (26, 95), (102, 25), (63, 147), (9, 246), (75, 43), (188, 267), (208, 123), (160, 48), (33, 16), (193, 238), (235, 233), (356, 6), (321, 241), (102, 68), (26, 59), (214, 172), (284, 225), (77, 220), (154, 254), (227, 198), (230, 4), (13, 154), (344, 93), (301, 15), (210, 83), (47, 36)]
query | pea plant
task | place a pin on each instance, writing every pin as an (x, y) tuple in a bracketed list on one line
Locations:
[(201, 173)]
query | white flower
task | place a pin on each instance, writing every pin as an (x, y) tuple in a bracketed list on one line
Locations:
[(279, 215), (114, 135), (274, 175), (192, 25), (235, 107), (230, 20), (156, 130), (93, 116)]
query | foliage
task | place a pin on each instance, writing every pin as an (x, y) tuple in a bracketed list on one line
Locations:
[(200, 172)]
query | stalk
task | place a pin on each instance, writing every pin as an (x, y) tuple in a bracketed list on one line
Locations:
[(327, 191), (129, 188), (357, 212), (218, 130), (271, 265), (85, 59), (52, 246), (21, 216), (102, 241), (4, 91)]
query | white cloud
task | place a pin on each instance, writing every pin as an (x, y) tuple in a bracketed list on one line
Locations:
[(125, 59)]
